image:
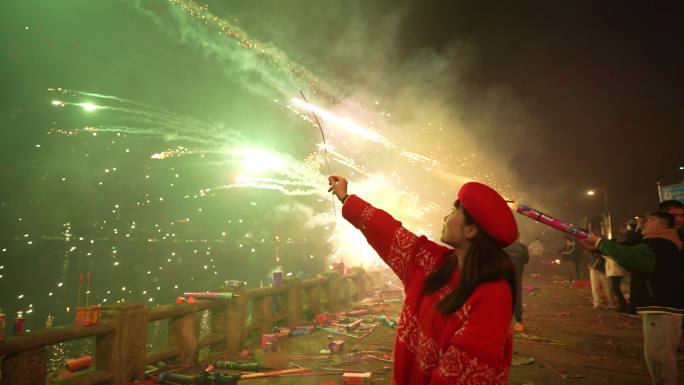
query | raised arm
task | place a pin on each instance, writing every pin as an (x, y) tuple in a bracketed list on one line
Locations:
[(639, 257), (404, 252)]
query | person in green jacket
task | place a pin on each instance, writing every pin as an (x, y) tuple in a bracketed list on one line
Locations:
[(656, 289)]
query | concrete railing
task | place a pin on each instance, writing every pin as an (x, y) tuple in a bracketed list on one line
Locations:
[(121, 352)]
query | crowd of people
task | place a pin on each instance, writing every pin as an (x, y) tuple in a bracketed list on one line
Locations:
[(651, 250), (648, 250), (463, 297)]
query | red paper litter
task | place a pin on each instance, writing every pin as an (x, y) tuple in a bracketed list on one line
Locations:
[(582, 284)]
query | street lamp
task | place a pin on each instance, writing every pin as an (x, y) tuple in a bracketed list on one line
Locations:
[(607, 225)]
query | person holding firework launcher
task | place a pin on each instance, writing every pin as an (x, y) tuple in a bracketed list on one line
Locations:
[(656, 289)]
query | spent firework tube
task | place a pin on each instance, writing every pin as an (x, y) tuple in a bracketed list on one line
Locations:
[(550, 221), (18, 326), (245, 366), (209, 295), (2, 325), (76, 364), (177, 378)]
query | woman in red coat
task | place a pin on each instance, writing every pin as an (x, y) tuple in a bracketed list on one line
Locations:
[(455, 325)]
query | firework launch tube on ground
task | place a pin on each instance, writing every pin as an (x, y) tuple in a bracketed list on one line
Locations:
[(550, 221), (76, 364), (210, 295)]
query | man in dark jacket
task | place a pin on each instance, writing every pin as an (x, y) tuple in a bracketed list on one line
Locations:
[(676, 208), (571, 253), (520, 256), (657, 290)]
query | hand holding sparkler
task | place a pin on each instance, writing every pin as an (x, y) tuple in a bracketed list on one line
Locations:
[(338, 186), (325, 149)]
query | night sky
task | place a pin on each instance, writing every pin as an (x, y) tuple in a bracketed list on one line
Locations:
[(601, 86), (169, 99)]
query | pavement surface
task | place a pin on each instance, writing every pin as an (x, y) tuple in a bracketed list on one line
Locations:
[(565, 341)]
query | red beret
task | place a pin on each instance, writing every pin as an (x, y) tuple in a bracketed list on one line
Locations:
[(490, 211)]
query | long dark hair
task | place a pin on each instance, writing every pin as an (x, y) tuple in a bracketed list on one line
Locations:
[(485, 261)]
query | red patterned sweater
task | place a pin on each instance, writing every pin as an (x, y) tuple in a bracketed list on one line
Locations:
[(472, 346)]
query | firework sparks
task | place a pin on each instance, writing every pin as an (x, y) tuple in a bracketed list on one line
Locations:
[(274, 67), (343, 123)]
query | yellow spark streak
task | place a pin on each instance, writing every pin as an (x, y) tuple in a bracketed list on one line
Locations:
[(342, 159), (361, 131), (285, 182), (342, 122), (87, 106)]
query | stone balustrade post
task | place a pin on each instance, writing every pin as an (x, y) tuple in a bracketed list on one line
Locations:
[(122, 352), (25, 368), (184, 333), (231, 320), (334, 290), (295, 301)]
